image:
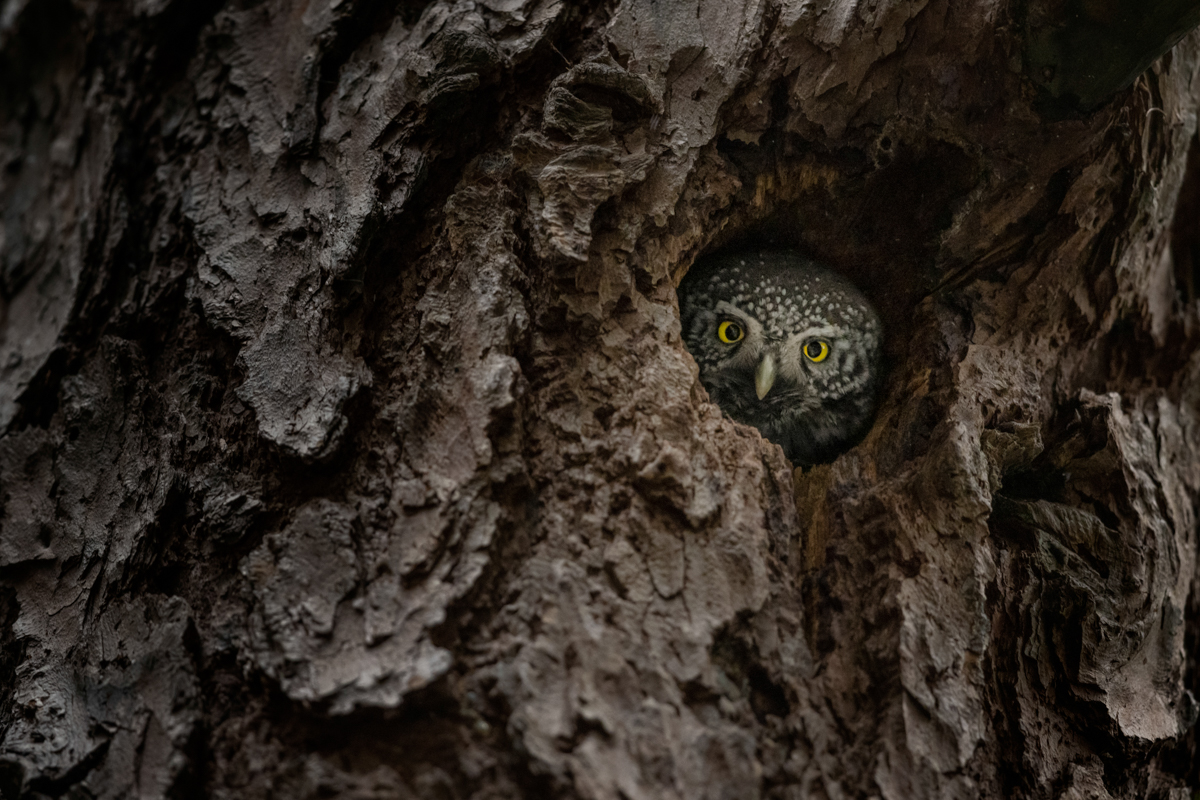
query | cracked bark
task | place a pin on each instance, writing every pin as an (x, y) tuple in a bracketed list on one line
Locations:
[(349, 447)]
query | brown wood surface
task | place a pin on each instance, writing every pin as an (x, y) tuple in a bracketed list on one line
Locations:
[(348, 446)]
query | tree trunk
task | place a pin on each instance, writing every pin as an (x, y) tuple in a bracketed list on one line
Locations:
[(350, 448)]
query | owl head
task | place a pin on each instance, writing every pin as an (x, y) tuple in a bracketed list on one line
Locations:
[(785, 345)]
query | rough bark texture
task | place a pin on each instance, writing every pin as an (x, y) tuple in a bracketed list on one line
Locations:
[(350, 448)]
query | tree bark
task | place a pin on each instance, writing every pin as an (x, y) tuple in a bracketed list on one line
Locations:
[(350, 449)]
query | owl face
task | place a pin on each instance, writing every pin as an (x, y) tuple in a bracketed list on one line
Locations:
[(785, 345)]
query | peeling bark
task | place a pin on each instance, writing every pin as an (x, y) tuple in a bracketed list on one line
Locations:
[(348, 445)]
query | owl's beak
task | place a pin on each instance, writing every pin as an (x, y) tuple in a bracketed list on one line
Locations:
[(764, 376)]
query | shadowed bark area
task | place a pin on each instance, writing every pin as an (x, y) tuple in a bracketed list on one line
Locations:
[(349, 447), (1081, 51)]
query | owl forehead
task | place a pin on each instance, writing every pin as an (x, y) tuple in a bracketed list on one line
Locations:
[(784, 301)]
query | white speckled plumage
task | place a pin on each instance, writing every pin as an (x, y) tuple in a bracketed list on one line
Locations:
[(784, 301)]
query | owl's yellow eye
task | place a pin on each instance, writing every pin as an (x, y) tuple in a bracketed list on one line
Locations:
[(817, 351), (730, 332)]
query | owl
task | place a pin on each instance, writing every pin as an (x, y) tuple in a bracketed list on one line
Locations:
[(785, 345)]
